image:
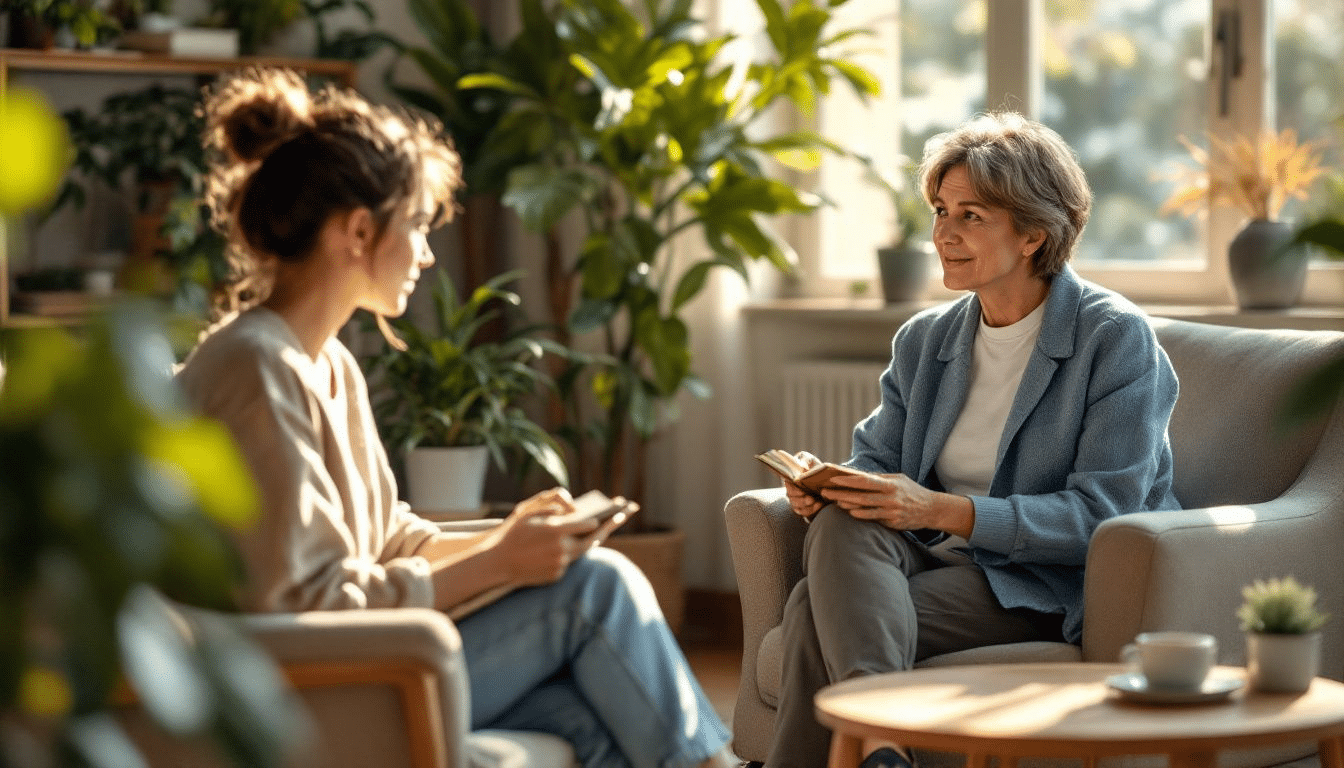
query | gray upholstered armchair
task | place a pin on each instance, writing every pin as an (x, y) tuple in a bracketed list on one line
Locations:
[(385, 687), (1259, 502)]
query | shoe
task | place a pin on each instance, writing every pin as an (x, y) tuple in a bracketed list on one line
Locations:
[(886, 757)]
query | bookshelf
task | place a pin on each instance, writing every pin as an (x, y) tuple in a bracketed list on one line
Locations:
[(134, 63)]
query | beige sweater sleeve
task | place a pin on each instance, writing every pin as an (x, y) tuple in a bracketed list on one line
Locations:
[(329, 536)]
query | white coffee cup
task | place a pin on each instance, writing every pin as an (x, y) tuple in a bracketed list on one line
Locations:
[(1177, 661)]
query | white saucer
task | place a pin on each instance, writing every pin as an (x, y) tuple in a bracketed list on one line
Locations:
[(1135, 688)]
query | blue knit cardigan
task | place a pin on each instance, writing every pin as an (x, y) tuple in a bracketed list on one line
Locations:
[(1086, 438)]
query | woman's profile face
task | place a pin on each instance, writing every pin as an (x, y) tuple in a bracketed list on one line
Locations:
[(399, 258), (977, 244)]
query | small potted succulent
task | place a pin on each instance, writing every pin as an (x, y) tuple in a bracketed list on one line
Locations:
[(1283, 639)]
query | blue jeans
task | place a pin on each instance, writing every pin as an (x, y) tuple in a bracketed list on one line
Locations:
[(590, 658)]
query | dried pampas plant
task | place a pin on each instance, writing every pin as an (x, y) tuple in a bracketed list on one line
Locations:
[(1256, 177)]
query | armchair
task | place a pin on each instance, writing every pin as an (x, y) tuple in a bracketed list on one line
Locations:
[(1260, 501), (383, 687)]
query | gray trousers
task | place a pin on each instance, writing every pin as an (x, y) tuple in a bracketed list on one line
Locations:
[(873, 600)]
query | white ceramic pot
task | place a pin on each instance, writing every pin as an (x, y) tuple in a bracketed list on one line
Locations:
[(446, 481), (1282, 663)]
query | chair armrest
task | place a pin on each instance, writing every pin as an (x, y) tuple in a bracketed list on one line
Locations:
[(1185, 570), (416, 652), (468, 526), (766, 539)]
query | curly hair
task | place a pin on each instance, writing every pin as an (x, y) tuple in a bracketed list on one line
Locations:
[(283, 160), (1024, 167)]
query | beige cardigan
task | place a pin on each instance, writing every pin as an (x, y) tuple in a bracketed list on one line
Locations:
[(332, 533)]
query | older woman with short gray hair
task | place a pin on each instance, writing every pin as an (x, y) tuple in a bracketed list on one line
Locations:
[(1013, 421)]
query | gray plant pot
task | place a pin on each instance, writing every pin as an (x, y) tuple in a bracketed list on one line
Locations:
[(1263, 277), (904, 271), (1282, 663)]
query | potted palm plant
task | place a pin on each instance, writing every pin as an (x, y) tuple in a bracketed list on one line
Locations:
[(638, 129), (1283, 641), (1257, 176), (451, 401)]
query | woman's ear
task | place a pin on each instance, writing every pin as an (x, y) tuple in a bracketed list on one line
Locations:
[(1035, 239), (358, 232)]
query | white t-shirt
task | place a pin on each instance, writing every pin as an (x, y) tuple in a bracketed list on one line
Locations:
[(998, 360)]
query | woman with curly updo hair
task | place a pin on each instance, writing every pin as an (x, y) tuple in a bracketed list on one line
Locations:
[(327, 200)]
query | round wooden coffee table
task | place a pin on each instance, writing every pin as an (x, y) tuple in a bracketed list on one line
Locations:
[(1066, 710)]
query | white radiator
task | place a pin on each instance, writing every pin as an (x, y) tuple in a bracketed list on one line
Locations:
[(823, 400)]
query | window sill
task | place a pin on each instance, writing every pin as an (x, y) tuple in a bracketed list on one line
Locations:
[(874, 311)]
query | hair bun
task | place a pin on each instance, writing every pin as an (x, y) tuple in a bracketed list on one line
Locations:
[(253, 115)]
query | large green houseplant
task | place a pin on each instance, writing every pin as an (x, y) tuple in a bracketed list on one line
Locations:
[(452, 389), (635, 125)]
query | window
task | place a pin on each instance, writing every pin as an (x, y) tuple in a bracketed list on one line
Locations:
[(1122, 81)]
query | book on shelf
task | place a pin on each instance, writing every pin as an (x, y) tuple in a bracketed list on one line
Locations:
[(812, 479), (184, 41), (608, 513)]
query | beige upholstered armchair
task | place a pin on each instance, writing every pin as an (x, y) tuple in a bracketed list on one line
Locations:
[(384, 687), (1259, 502)]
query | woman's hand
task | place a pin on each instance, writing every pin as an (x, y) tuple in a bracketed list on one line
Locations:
[(531, 549), (898, 502), (803, 503)]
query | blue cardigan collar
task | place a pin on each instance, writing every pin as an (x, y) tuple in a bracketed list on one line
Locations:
[(1058, 328)]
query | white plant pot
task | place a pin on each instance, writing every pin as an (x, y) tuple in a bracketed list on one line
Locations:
[(446, 481), (1282, 663)]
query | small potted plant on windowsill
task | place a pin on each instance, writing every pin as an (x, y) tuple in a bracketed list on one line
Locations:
[(451, 398), (903, 264), (1256, 177), (1283, 639)]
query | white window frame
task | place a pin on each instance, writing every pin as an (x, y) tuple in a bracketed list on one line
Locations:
[(1015, 80)]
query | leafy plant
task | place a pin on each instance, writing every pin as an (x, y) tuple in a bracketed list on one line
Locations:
[(459, 47), (257, 21), (146, 136), (636, 125), (1256, 176), (148, 141), (111, 496), (347, 44), (1280, 607), (1321, 389), (86, 21), (451, 388), (907, 203)]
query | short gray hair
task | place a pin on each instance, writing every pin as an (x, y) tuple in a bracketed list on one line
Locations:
[(1024, 167)]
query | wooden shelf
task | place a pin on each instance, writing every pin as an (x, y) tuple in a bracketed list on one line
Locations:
[(136, 62), (132, 63)]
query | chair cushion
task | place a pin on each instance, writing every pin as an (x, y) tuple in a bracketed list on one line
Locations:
[(770, 658)]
